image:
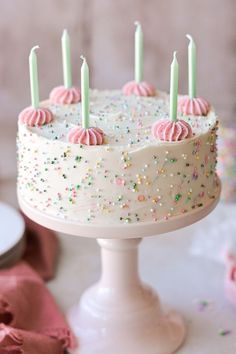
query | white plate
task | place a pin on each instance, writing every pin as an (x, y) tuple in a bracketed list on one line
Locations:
[(14, 255), (12, 227)]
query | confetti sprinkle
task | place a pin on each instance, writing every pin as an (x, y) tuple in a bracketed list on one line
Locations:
[(203, 305), (120, 181), (178, 197), (141, 198)]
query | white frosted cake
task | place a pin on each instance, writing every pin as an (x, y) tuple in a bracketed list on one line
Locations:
[(132, 177)]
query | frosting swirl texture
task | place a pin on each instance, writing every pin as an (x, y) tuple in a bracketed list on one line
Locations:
[(139, 89), (89, 136), (63, 95), (167, 130), (35, 116), (194, 106)]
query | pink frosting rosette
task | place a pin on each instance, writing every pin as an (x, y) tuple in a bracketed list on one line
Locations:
[(142, 88), (63, 95), (196, 106), (167, 130), (35, 116), (86, 136)]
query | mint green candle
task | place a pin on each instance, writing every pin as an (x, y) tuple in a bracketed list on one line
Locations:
[(33, 71), (66, 59), (85, 93), (174, 80), (138, 72), (191, 67)]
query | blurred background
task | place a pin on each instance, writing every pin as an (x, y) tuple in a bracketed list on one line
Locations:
[(103, 30)]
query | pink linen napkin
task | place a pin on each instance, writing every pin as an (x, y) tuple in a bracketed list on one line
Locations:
[(26, 304), (17, 341), (42, 249)]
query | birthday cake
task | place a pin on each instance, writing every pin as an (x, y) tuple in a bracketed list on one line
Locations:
[(133, 177), (134, 155)]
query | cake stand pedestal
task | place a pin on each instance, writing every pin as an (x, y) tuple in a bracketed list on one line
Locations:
[(120, 314)]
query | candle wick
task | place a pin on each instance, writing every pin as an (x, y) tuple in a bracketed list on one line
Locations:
[(137, 23), (34, 48), (83, 58), (65, 32), (174, 55), (189, 37)]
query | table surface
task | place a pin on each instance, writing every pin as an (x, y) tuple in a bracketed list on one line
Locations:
[(181, 279)]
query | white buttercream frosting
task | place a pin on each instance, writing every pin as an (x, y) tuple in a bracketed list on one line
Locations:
[(132, 177)]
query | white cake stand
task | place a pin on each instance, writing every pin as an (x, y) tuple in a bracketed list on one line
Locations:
[(120, 314)]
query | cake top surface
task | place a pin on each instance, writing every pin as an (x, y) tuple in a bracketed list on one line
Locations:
[(126, 120)]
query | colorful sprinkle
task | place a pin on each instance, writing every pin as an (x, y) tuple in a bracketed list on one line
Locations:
[(178, 197)]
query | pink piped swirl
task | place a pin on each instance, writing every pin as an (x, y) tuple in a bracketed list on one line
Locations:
[(35, 116), (193, 106), (89, 136), (139, 89), (63, 95), (168, 130)]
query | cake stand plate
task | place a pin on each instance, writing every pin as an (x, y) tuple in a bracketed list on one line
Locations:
[(124, 231), (120, 314)]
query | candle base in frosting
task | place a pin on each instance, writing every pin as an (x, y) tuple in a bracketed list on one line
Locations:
[(196, 106), (89, 136), (167, 130), (35, 116), (142, 88), (63, 95)]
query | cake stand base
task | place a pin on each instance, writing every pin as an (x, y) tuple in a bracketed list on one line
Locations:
[(120, 314)]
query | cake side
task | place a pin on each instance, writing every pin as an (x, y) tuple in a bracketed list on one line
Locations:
[(132, 178)]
